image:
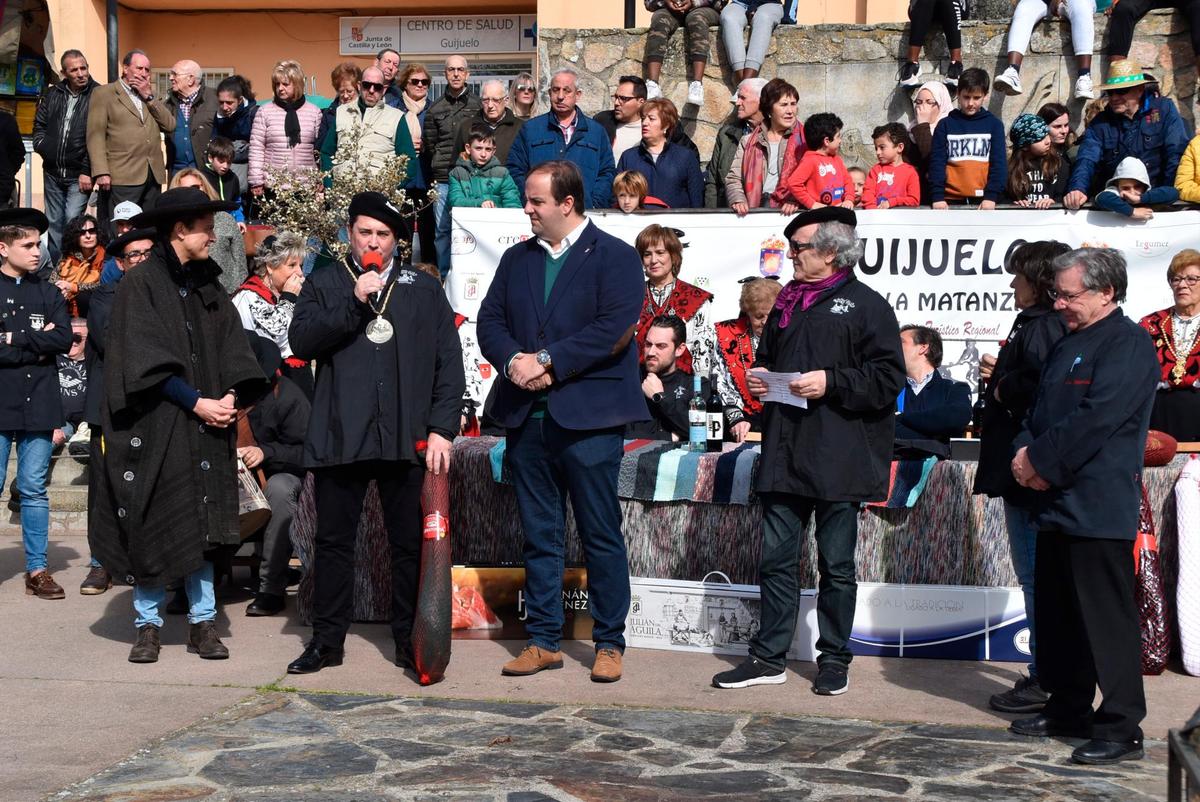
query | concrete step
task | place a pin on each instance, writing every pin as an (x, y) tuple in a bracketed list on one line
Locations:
[(65, 470)]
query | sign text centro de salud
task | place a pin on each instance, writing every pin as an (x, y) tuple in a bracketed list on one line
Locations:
[(438, 35)]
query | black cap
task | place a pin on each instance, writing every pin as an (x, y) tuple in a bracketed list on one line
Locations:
[(826, 214), (179, 203), (25, 218), (376, 206), (117, 246)]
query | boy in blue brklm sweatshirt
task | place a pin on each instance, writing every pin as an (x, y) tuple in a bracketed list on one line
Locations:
[(967, 162), (1129, 192)]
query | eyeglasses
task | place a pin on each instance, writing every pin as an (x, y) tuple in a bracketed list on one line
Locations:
[(372, 86), (77, 338), (624, 98), (797, 248), (925, 102), (1191, 281), (1055, 295), (456, 69), (419, 81), (491, 100), (524, 88), (136, 256), (91, 230)]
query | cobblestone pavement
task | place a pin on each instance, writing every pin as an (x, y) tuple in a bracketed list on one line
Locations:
[(290, 747)]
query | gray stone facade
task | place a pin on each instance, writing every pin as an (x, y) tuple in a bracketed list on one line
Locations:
[(851, 70)]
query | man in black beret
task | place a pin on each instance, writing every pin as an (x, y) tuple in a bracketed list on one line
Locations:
[(35, 327), (177, 367), (386, 408), (826, 453)]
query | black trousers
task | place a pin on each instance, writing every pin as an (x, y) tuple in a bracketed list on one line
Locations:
[(921, 14), (1088, 633), (144, 195), (1127, 13), (339, 494)]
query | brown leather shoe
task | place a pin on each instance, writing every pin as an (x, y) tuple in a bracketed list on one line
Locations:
[(607, 667), (147, 646), (43, 586), (203, 640), (96, 582), (531, 660)]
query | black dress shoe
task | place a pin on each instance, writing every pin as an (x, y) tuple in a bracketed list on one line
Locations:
[(266, 604), (1042, 726), (314, 658), (404, 657), (1100, 753)]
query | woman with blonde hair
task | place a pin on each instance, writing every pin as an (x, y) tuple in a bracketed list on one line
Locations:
[(662, 258), (229, 251), (736, 344), (522, 96), (284, 135)]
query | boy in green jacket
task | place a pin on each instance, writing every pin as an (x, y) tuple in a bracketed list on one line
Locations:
[(479, 179)]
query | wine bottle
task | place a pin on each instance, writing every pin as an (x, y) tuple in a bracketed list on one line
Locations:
[(716, 416), (977, 409), (697, 418)]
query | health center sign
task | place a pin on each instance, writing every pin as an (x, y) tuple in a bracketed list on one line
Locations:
[(438, 35)]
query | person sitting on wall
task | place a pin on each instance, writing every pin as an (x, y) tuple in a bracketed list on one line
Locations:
[(697, 16), (668, 389), (931, 409)]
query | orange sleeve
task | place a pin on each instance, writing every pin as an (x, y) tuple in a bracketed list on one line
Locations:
[(868, 196), (912, 188), (797, 182)]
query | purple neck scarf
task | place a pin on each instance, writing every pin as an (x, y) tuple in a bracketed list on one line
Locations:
[(805, 294)]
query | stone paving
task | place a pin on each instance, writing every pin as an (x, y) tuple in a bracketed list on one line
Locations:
[(281, 746)]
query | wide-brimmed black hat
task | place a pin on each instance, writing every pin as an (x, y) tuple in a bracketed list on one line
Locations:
[(267, 353), (376, 206), (26, 218), (825, 214), (178, 204), (117, 246)]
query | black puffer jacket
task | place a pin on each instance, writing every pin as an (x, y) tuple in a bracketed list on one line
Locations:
[(441, 125), (68, 157)]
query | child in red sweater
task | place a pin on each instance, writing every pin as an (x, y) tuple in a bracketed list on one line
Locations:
[(821, 178), (893, 182)]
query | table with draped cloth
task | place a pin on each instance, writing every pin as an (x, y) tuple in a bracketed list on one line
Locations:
[(948, 536)]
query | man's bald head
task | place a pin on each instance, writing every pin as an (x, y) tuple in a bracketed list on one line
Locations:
[(373, 85), (185, 77), (456, 73), (493, 95)]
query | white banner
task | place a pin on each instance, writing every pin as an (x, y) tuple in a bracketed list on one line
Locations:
[(938, 268), (438, 35)]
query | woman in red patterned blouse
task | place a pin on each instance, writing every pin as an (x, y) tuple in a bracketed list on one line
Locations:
[(737, 340), (662, 256), (1176, 333)]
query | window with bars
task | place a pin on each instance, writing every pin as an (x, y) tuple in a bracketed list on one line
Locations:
[(161, 78)]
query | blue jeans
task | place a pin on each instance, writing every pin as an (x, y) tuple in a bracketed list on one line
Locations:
[(64, 202), (550, 463), (33, 466), (1022, 542), (785, 518), (202, 599), (441, 222)]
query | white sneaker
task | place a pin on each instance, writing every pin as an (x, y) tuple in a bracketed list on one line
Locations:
[(652, 90), (1008, 82), (1084, 89), (696, 93), (80, 443)]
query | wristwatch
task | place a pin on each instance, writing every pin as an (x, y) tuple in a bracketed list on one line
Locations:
[(543, 358)]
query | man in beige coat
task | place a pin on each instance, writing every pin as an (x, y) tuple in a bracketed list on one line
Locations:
[(124, 137)]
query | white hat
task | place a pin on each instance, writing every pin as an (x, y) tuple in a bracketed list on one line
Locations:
[(126, 210), (1130, 167)]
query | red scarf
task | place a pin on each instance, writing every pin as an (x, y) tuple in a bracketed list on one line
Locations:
[(737, 349), (754, 164), (684, 302), (256, 285)]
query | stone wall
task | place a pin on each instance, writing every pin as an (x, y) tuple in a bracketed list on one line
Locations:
[(851, 70)]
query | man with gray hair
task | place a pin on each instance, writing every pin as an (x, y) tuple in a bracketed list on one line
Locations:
[(437, 147), (1081, 447), (194, 107), (496, 115), (826, 450), (748, 115), (568, 134)]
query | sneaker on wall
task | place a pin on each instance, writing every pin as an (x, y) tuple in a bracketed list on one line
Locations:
[(1084, 89), (696, 93), (910, 74), (953, 73), (652, 90), (1008, 82)]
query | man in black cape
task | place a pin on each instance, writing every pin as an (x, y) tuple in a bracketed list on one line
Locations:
[(177, 366), (389, 376)]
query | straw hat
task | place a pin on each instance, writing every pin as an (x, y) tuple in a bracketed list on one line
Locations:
[(1125, 74)]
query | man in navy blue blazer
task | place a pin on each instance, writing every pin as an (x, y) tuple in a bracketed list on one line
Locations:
[(559, 317), (931, 409)]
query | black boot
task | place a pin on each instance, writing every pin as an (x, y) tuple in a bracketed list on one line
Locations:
[(203, 640), (147, 647), (314, 658), (266, 604)]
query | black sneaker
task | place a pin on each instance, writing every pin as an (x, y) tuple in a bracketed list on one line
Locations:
[(910, 74), (1025, 697), (953, 73), (751, 671), (832, 680)]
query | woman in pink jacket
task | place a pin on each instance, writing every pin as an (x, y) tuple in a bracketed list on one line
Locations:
[(284, 135)]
